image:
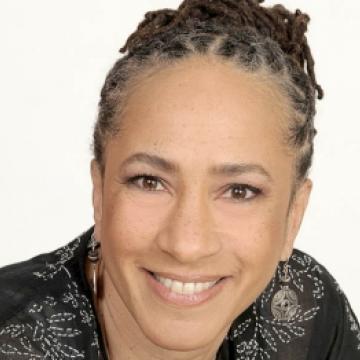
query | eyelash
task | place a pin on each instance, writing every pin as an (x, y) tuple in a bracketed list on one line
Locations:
[(256, 191)]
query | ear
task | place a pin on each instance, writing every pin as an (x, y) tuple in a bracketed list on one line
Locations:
[(97, 181), (295, 216)]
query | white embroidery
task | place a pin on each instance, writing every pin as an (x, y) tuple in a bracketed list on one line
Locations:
[(256, 337), (46, 335), (261, 334), (354, 325)]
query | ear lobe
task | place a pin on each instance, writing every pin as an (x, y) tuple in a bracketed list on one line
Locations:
[(97, 181), (295, 217)]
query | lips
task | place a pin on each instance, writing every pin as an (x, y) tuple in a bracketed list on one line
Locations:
[(184, 287), (185, 290)]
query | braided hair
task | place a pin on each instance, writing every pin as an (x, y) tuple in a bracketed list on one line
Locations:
[(252, 36)]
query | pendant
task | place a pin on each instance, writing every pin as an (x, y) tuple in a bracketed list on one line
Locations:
[(284, 304)]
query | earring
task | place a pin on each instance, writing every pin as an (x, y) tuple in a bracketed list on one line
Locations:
[(93, 255), (284, 304)]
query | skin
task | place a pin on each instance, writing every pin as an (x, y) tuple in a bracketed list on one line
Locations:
[(198, 113)]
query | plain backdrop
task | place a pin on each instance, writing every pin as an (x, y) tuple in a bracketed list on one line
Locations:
[(54, 58)]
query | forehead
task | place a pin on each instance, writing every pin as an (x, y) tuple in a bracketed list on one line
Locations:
[(209, 87), (205, 107)]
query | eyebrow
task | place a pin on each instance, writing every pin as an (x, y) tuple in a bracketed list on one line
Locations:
[(226, 169)]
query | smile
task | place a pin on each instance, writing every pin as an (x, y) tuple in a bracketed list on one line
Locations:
[(187, 288), (194, 292)]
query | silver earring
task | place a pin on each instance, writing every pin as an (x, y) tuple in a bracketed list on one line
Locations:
[(284, 304), (93, 255)]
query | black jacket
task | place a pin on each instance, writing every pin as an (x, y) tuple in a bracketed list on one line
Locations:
[(46, 312)]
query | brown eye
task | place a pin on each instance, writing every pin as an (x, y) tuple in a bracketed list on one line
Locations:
[(243, 192), (239, 192), (147, 182)]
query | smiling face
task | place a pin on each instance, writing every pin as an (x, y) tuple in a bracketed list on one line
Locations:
[(215, 209)]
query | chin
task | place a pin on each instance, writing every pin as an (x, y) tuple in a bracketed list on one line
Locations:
[(181, 336)]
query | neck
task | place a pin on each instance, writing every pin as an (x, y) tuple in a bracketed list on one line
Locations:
[(127, 341)]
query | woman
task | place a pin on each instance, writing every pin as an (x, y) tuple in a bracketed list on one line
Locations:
[(192, 252)]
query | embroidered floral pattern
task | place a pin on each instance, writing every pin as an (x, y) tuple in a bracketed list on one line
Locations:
[(53, 327), (47, 333), (354, 325), (261, 333), (63, 254)]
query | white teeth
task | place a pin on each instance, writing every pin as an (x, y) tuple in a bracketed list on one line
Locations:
[(177, 286), (166, 282), (184, 288), (188, 288), (198, 287)]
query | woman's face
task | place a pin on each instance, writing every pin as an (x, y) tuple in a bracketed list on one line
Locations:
[(217, 209)]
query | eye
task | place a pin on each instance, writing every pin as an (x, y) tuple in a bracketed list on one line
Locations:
[(148, 181), (241, 192)]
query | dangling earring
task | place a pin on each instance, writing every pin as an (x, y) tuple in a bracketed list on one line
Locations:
[(284, 304), (93, 255)]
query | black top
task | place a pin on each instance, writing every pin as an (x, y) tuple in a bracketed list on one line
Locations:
[(46, 312)]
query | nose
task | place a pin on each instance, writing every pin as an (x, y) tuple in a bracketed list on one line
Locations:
[(190, 235)]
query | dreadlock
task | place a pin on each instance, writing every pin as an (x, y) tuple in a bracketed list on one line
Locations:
[(278, 23), (249, 34)]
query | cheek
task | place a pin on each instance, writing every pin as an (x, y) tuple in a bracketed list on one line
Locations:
[(257, 240), (126, 228)]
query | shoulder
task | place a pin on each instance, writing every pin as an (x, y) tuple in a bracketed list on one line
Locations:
[(287, 318), (334, 319), (322, 283), (45, 305), (23, 282)]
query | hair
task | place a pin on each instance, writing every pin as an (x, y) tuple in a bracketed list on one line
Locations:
[(252, 36)]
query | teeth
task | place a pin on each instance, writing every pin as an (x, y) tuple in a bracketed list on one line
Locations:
[(177, 286), (166, 282), (198, 287), (189, 288), (184, 288)]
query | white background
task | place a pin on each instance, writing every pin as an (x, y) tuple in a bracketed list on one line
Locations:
[(54, 58)]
